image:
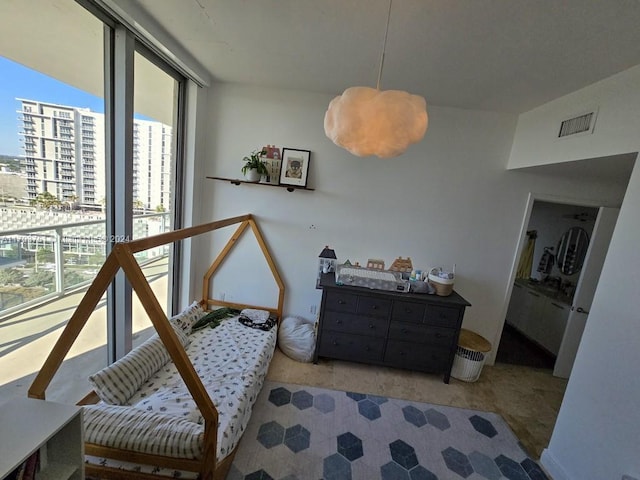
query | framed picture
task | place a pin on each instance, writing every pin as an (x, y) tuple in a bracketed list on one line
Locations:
[(295, 167)]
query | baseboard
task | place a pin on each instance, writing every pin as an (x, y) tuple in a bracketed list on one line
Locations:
[(551, 466)]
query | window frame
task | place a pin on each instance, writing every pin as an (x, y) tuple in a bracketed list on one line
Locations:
[(121, 43)]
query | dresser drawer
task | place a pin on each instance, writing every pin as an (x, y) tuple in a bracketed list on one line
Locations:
[(437, 315), (377, 307), (407, 312), (357, 324), (426, 334), (341, 302), (417, 357), (351, 347)]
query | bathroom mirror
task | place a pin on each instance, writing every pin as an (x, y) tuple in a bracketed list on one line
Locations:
[(572, 249)]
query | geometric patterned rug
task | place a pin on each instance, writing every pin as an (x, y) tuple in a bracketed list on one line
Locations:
[(298, 432)]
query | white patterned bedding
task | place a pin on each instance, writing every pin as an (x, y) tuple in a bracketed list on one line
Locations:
[(231, 360)]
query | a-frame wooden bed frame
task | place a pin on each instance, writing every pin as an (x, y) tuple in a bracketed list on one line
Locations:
[(122, 256)]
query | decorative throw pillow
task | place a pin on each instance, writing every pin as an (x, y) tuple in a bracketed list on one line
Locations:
[(190, 315), (130, 428), (118, 382)]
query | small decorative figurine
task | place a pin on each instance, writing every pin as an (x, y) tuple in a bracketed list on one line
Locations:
[(402, 265), (327, 262), (375, 263), (271, 158)]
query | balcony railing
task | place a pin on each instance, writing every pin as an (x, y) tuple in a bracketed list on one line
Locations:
[(42, 263)]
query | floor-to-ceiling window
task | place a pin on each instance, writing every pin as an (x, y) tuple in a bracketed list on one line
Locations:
[(157, 96), (89, 154), (52, 226)]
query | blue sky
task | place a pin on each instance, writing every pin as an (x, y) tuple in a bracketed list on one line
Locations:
[(17, 81)]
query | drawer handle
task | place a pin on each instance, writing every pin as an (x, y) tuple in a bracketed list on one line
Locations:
[(372, 326), (402, 354), (404, 330), (339, 322), (407, 310), (341, 302), (375, 307), (335, 343), (367, 348)]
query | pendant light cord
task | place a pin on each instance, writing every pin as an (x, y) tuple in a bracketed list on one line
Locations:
[(384, 46)]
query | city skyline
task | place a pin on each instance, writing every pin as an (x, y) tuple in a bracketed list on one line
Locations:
[(18, 81), (64, 155)]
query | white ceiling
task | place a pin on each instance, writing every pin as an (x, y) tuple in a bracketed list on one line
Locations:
[(499, 55)]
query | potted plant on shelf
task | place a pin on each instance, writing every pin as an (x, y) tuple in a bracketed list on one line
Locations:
[(254, 167)]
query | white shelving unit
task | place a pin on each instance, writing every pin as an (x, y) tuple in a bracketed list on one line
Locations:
[(28, 425)]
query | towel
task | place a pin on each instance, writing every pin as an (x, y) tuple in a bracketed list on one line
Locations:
[(256, 316), (260, 319)]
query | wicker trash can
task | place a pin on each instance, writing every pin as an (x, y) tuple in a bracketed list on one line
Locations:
[(470, 356)]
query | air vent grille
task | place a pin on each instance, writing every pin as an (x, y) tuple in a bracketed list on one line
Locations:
[(581, 124)]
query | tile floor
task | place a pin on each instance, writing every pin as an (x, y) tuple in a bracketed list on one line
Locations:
[(527, 398)]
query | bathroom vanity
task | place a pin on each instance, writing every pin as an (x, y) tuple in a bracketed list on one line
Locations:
[(540, 313)]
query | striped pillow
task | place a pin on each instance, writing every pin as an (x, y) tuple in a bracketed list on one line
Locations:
[(118, 382), (130, 428)]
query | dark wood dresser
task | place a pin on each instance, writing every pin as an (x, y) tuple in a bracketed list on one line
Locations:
[(403, 330)]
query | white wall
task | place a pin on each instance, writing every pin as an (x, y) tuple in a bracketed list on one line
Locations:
[(616, 128), (448, 199), (596, 433)]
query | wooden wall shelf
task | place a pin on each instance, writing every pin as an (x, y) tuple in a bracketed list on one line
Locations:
[(237, 181)]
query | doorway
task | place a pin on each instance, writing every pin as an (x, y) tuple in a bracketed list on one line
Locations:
[(557, 271)]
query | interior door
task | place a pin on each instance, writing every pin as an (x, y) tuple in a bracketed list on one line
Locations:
[(585, 289)]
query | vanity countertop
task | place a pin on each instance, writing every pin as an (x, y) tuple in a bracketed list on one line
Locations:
[(546, 290)]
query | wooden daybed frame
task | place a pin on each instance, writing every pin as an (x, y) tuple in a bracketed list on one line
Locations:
[(122, 256)]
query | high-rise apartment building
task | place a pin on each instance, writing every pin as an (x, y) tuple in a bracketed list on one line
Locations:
[(152, 164), (64, 154)]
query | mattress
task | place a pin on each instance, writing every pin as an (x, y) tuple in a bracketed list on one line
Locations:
[(232, 361)]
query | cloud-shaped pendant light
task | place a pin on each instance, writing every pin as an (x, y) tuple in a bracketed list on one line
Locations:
[(367, 121)]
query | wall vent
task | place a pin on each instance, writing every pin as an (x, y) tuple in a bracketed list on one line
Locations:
[(577, 125)]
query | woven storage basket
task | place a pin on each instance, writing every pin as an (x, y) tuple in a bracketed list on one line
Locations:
[(443, 286), (467, 364)]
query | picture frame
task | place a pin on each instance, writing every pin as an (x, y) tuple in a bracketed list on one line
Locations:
[(294, 169)]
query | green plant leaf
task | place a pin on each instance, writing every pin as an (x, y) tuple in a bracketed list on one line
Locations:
[(253, 161)]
